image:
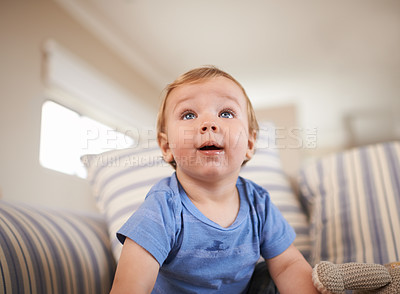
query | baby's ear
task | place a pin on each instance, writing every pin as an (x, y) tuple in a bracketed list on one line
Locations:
[(251, 145), (162, 139)]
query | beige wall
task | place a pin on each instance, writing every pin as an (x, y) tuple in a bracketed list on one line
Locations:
[(24, 27), (324, 99)]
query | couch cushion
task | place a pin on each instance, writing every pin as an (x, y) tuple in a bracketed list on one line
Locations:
[(52, 251), (354, 203), (120, 180)]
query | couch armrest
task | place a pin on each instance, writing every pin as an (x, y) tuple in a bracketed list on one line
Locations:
[(53, 251)]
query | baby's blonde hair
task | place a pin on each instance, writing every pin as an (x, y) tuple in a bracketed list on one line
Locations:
[(198, 75)]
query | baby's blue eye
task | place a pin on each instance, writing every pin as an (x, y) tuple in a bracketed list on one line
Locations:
[(189, 115), (226, 114)]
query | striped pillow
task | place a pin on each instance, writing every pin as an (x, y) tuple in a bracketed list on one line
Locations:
[(354, 201), (265, 169), (51, 251), (121, 179)]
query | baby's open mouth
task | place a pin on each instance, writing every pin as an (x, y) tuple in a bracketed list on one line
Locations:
[(210, 147)]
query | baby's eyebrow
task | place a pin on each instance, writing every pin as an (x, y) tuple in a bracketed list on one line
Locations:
[(179, 103), (232, 98)]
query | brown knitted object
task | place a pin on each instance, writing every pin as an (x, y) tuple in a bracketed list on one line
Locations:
[(330, 278), (391, 288)]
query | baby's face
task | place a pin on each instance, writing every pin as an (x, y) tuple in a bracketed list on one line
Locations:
[(206, 129)]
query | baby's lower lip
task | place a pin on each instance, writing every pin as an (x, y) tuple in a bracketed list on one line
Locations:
[(211, 151)]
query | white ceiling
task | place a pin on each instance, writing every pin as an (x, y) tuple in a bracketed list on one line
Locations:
[(274, 48)]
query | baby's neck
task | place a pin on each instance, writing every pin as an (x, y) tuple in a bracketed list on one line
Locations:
[(219, 202), (215, 190)]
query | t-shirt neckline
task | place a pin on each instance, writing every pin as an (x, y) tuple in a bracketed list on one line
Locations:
[(189, 205)]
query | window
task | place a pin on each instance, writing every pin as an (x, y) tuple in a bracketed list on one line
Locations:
[(66, 136)]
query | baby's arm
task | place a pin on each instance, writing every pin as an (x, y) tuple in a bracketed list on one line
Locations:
[(137, 270), (291, 272)]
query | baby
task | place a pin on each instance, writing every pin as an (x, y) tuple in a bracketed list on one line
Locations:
[(203, 229)]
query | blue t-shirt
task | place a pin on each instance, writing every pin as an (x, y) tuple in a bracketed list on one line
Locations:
[(195, 254)]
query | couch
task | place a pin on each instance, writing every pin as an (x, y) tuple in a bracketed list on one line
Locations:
[(347, 209), (47, 250)]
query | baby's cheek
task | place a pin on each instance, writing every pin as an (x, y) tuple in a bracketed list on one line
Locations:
[(238, 140), (184, 134)]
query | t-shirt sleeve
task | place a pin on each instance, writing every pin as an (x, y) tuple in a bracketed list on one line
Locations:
[(277, 234), (152, 226)]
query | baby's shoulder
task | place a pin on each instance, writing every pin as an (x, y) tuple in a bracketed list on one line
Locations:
[(253, 187), (255, 193), (166, 194)]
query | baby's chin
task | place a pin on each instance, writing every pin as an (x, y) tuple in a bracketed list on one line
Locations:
[(210, 171)]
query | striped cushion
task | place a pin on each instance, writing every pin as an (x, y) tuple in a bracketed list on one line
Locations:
[(121, 179), (265, 169), (49, 251), (354, 201)]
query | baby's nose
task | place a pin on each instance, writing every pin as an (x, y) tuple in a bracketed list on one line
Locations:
[(208, 127)]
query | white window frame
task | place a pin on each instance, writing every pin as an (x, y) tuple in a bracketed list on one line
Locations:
[(74, 84), (66, 136)]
